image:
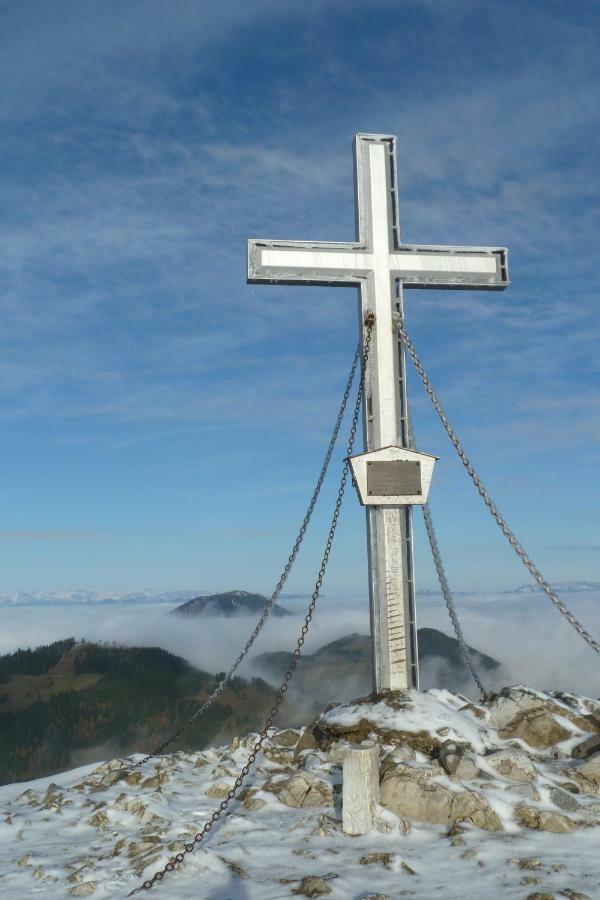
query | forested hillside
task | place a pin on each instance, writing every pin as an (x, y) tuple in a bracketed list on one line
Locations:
[(68, 703)]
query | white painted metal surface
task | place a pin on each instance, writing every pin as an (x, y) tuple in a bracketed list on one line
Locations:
[(359, 464), (380, 265), (282, 262)]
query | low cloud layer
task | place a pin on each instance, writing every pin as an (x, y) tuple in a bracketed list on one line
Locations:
[(524, 632)]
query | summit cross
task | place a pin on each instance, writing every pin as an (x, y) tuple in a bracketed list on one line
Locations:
[(381, 266)]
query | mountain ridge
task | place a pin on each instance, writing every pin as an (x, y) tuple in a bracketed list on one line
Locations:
[(227, 604), (346, 663), (70, 701)]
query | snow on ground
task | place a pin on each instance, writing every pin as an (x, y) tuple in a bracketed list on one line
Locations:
[(101, 830)]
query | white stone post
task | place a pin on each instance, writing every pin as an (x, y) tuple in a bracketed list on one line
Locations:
[(360, 792)]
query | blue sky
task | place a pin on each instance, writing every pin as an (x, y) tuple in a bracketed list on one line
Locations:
[(162, 421)]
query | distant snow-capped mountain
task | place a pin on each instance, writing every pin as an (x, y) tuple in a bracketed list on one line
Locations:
[(83, 597), (92, 598), (561, 587)]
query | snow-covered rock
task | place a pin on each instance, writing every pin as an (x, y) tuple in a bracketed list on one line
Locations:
[(588, 774), (427, 800), (512, 764), (453, 819), (457, 761), (301, 790), (544, 819)]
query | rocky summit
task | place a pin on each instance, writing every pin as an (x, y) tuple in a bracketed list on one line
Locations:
[(498, 798)]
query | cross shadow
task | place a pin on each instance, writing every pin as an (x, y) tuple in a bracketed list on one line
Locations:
[(235, 889)]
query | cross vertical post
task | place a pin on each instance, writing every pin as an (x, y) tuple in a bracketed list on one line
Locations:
[(381, 266), (389, 529)]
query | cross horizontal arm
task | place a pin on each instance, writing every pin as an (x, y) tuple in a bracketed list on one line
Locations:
[(306, 262), (422, 266), (464, 268)]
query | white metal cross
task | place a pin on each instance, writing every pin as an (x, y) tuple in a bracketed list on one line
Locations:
[(380, 265)]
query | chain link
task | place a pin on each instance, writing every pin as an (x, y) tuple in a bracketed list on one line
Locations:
[(279, 586), (485, 496), (222, 807)]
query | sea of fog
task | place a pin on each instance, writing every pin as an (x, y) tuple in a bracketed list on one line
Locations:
[(523, 631)]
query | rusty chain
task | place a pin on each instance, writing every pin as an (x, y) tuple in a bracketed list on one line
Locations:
[(222, 807), (279, 586), (485, 496)]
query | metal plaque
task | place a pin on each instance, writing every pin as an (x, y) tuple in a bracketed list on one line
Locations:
[(398, 477)]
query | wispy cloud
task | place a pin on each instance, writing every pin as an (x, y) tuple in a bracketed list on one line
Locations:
[(50, 535), (138, 159)]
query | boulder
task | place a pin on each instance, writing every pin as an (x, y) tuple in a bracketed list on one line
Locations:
[(85, 889), (590, 769), (301, 790), (588, 747), (414, 773), (155, 781), (512, 702), (312, 886), (219, 790), (307, 741), (254, 804), (387, 822), (383, 858), (536, 727), (563, 799), (427, 801), (326, 826), (328, 733), (544, 820), (281, 756), (347, 722), (133, 778), (469, 806), (512, 764), (99, 820), (402, 753), (250, 801), (376, 897), (286, 738), (337, 752), (525, 790), (457, 761), (588, 775)]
